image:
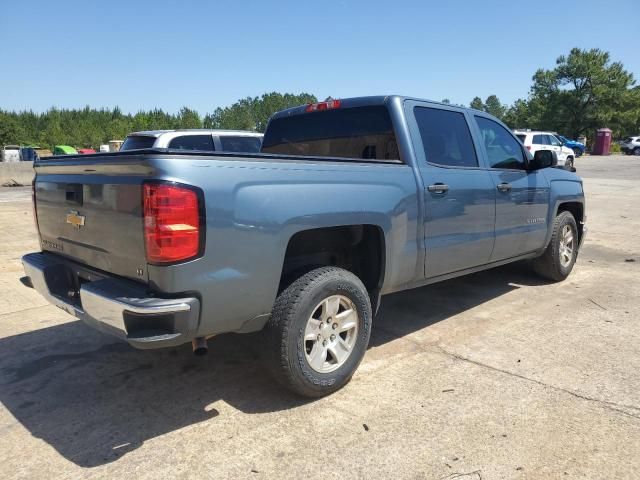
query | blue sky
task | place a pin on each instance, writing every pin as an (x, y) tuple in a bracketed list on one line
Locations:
[(141, 54)]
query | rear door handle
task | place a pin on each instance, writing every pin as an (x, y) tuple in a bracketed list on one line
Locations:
[(504, 187), (438, 188)]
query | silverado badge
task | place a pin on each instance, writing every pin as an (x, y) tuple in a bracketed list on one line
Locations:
[(75, 219)]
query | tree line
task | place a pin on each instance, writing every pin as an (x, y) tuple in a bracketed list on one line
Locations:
[(89, 127), (585, 90)]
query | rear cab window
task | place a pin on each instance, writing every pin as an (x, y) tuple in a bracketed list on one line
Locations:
[(363, 132), (192, 142), (522, 137), (240, 144), (137, 142)]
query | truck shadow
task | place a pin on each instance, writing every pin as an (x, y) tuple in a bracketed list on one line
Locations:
[(94, 400)]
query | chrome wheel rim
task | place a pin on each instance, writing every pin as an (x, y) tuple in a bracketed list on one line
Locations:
[(566, 246), (331, 333)]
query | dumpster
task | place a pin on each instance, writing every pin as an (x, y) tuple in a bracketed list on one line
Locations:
[(602, 144), (64, 150)]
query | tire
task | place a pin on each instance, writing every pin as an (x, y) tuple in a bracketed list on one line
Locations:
[(569, 161), (308, 307), (577, 152), (636, 151), (553, 264)]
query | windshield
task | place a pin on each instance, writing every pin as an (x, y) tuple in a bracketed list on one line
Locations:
[(137, 142), (358, 133)]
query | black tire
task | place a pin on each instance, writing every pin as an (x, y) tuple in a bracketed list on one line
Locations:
[(636, 151), (549, 264), (569, 162), (577, 152), (285, 331)]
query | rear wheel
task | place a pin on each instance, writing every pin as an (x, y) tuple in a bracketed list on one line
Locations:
[(319, 331), (558, 259)]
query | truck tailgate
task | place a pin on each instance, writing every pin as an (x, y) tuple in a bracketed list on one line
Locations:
[(90, 210)]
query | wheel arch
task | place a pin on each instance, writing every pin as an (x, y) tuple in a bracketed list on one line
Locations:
[(360, 249)]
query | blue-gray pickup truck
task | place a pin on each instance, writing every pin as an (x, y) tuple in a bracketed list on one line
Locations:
[(347, 201)]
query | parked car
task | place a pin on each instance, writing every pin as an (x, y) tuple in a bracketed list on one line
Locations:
[(577, 147), (348, 201), (86, 151), (535, 141), (196, 139), (10, 153), (631, 145), (64, 150)]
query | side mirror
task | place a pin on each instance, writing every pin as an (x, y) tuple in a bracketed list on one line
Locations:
[(543, 159)]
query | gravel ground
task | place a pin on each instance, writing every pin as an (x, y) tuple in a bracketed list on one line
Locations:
[(494, 375)]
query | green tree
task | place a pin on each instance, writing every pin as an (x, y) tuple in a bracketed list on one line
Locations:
[(585, 90), (253, 113), (188, 118), (493, 106), (10, 131), (477, 104)]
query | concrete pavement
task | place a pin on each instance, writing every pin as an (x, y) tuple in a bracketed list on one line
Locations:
[(493, 375)]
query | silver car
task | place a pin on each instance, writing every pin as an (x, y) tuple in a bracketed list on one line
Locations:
[(195, 139)]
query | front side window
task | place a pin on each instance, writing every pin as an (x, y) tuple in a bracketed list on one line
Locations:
[(503, 150), (446, 138), (192, 142), (554, 141)]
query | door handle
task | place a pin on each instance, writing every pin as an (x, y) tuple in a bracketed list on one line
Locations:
[(504, 187), (439, 188)]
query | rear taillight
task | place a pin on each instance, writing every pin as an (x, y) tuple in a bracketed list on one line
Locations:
[(328, 105), (172, 223), (528, 147)]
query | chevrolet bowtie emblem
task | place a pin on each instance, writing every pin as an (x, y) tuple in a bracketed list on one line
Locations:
[(74, 219)]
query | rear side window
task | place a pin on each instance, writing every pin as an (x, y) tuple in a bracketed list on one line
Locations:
[(503, 151), (192, 142), (137, 142), (359, 133), (540, 140), (522, 138), (240, 144), (446, 138)]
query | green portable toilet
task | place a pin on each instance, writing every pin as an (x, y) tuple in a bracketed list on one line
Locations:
[(64, 150)]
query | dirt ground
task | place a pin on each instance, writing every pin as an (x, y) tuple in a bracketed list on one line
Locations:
[(494, 375)]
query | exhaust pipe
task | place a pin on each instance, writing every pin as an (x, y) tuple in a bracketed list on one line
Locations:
[(199, 346)]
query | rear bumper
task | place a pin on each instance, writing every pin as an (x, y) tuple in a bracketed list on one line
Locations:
[(112, 305)]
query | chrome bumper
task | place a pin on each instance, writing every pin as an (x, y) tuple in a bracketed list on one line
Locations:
[(116, 306)]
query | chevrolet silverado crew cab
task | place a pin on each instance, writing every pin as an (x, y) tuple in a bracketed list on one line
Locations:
[(347, 201)]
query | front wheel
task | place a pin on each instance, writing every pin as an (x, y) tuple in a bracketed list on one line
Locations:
[(558, 259), (636, 151), (569, 162), (318, 331), (577, 152)]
